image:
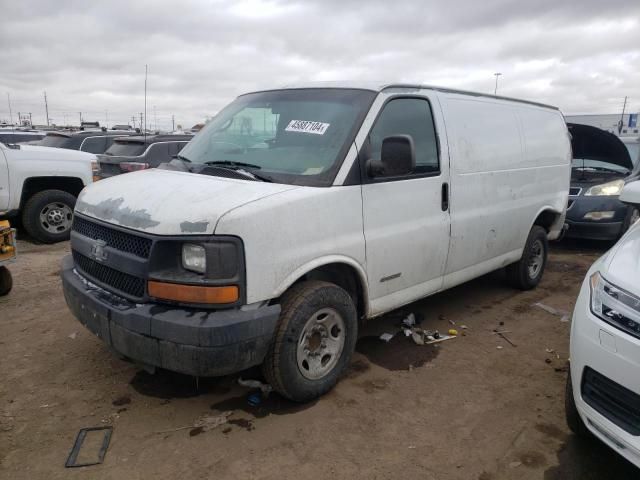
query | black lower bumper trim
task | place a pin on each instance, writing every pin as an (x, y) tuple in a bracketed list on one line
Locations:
[(194, 342)]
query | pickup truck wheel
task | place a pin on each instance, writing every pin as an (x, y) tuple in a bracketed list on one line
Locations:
[(6, 282), (527, 272), (48, 215), (574, 421), (314, 340)]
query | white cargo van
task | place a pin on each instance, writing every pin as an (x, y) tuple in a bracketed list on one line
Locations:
[(297, 213)]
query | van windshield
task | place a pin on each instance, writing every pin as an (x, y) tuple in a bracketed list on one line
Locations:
[(292, 136)]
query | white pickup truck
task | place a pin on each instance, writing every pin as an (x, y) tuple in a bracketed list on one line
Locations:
[(41, 185)]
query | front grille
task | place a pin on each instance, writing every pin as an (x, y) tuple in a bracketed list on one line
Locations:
[(575, 191), (123, 282), (125, 242), (615, 402)]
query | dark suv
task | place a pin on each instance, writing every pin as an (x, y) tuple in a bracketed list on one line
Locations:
[(92, 141), (129, 154)]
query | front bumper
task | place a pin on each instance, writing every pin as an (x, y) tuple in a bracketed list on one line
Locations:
[(186, 340), (615, 355), (579, 227)]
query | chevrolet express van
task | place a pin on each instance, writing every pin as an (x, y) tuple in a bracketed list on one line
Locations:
[(297, 213)]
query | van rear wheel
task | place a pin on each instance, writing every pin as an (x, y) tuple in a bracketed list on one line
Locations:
[(527, 272), (314, 340)]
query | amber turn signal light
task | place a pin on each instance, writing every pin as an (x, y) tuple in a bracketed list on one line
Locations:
[(193, 293)]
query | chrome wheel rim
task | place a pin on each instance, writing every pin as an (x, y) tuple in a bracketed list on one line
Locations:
[(320, 344), (536, 259), (56, 217)]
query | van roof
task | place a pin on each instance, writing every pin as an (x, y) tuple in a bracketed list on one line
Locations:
[(381, 86)]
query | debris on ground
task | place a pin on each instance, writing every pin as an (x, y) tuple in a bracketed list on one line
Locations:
[(501, 334), (72, 459), (265, 388), (386, 337), (564, 316), (409, 321), (204, 423), (73, 335), (453, 332)]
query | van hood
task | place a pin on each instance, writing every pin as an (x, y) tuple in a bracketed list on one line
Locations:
[(623, 262), (166, 202)]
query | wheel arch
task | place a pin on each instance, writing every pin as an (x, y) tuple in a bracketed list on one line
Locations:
[(343, 271), (551, 220), (33, 185)]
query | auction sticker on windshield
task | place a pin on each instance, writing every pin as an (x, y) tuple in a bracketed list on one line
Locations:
[(304, 126)]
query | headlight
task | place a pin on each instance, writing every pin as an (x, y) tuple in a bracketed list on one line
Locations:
[(615, 306), (610, 188), (194, 257)]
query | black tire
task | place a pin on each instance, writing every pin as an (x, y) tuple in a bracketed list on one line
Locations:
[(49, 232), (519, 274), (629, 219), (574, 421), (300, 305), (6, 282)]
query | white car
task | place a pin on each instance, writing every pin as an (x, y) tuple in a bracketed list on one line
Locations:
[(603, 388), (297, 213)]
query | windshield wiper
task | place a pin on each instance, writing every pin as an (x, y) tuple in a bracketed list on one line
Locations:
[(232, 164), (241, 168), (183, 158)]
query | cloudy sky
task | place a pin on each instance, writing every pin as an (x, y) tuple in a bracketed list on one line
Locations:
[(582, 55)]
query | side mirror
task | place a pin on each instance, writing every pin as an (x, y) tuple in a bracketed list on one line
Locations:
[(397, 157), (631, 193)]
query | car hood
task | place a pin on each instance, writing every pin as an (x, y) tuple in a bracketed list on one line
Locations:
[(597, 144), (622, 264), (51, 153), (166, 202)]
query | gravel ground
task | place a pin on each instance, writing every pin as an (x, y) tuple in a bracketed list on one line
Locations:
[(474, 407)]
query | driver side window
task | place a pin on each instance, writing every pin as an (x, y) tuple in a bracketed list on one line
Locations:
[(408, 116)]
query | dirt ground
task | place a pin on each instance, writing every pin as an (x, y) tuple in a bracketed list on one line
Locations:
[(473, 407)]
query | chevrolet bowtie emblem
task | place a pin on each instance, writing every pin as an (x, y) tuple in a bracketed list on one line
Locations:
[(98, 250)]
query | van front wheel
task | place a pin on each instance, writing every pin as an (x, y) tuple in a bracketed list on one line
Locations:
[(314, 340), (527, 272)]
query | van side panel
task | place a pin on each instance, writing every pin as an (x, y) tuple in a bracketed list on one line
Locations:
[(508, 163)]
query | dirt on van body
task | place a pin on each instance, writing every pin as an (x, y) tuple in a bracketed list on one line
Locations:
[(474, 407)]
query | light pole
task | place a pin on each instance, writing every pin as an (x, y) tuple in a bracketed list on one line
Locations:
[(495, 90)]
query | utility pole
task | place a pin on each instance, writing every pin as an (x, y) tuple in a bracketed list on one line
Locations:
[(46, 107), (106, 118), (30, 120), (80, 113), (10, 113), (621, 122), (495, 90), (146, 69), (173, 122), (19, 120), (141, 121)]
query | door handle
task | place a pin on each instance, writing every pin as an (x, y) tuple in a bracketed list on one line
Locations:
[(444, 200)]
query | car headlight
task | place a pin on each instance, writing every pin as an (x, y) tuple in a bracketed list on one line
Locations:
[(609, 188), (614, 305), (194, 258)]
